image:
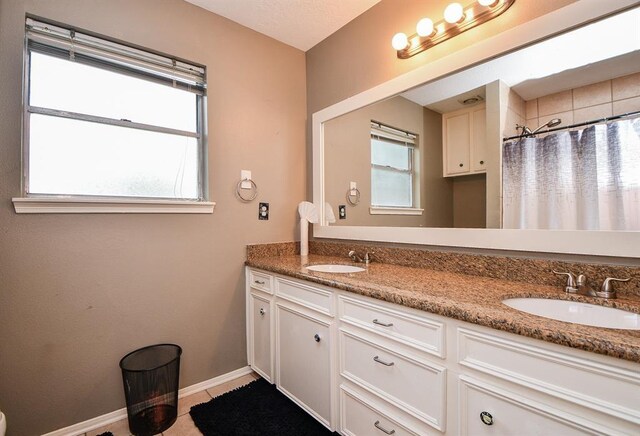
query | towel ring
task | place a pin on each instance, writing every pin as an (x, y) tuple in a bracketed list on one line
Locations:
[(352, 198), (239, 189)]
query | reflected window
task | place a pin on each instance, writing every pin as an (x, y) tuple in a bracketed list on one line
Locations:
[(392, 166), (106, 119)]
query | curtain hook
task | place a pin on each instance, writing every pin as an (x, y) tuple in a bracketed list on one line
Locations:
[(72, 52), (173, 61)]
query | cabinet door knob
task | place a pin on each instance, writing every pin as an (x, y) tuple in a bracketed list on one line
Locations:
[(262, 312), (316, 337), (461, 165), (258, 282), (486, 418), (481, 162), (381, 428)]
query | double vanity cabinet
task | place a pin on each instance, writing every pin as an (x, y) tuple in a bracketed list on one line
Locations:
[(362, 366)]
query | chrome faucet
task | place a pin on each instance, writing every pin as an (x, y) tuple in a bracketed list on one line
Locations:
[(580, 286), (366, 259)]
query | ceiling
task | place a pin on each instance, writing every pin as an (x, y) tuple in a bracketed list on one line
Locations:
[(298, 23)]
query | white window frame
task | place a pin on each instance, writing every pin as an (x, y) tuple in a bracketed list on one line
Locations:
[(390, 134), (60, 40)]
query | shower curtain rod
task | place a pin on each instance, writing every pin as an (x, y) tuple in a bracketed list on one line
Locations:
[(586, 123)]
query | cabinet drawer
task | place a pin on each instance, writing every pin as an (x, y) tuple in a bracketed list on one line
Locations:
[(310, 297), (360, 418), (588, 383), (262, 281), (414, 386), (488, 410), (418, 332)]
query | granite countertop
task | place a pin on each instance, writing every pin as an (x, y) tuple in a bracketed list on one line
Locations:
[(468, 298)]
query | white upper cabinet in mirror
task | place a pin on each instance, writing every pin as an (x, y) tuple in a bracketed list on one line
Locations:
[(457, 175)]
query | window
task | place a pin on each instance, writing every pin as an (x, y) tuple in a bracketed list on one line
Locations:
[(392, 167), (107, 120)]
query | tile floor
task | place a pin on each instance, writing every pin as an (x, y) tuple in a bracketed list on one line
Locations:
[(184, 426)]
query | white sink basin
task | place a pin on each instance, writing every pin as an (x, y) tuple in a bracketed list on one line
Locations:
[(577, 312), (335, 268)]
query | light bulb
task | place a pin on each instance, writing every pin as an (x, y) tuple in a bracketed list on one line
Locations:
[(424, 27), (400, 41), (453, 13), (488, 2)]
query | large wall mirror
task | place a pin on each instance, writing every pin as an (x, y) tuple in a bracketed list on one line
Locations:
[(540, 146)]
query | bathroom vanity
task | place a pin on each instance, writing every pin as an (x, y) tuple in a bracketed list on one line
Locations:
[(406, 351)]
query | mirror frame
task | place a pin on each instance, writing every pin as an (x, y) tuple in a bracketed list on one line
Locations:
[(598, 243)]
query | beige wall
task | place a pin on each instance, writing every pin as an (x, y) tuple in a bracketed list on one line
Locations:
[(437, 191), (469, 201), (77, 292), (348, 159)]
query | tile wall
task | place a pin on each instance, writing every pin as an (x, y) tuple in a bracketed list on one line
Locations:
[(590, 102)]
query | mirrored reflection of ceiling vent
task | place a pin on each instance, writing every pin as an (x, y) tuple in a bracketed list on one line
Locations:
[(474, 99)]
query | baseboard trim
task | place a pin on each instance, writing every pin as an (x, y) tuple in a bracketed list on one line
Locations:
[(117, 415), (214, 381)]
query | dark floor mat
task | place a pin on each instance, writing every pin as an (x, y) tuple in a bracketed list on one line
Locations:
[(257, 409)]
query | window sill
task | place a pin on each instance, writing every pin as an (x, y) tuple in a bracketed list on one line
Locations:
[(94, 205), (377, 210)]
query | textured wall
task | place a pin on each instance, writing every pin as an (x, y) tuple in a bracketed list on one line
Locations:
[(77, 292)]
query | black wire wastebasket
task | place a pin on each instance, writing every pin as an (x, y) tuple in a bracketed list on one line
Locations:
[(150, 378)]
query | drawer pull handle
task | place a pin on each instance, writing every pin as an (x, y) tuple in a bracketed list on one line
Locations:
[(258, 282), (262, 312), (486, 418), (316, 337), (377, 359), (375, 321), (379, 427)]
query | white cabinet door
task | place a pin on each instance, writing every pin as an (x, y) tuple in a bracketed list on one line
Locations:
[(304, 361), (260, 339), (457, 138), (464, 141), (479, 140)]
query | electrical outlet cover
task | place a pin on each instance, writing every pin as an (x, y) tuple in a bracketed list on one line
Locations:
[(263, 211), (342, 211)]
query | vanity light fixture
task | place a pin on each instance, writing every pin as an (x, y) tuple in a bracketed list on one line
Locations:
[(457, 19)]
